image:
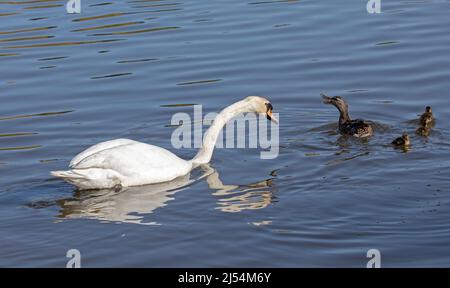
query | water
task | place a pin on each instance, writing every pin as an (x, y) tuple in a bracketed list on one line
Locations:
[(118, 68)]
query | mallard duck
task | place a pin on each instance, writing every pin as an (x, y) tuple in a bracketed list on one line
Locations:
[(427, 118), (402, 141), (423, 131), (357, 128)]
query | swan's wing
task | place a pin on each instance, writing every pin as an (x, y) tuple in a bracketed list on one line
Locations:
[(138, 163), (98, 148)]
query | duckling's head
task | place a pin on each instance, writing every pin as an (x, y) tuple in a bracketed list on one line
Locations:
[(428, 109), (405, 137), (337, 101)]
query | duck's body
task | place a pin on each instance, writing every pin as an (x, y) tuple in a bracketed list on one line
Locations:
[(356, 128), (427, 118), (402, 141), (124, 162)]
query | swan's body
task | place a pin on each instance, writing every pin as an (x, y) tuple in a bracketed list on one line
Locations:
[(356, 128), (124, 162)]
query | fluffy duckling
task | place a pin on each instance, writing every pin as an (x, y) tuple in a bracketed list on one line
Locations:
[(427, 118), (402, 141), (357, 128), (423, 131)]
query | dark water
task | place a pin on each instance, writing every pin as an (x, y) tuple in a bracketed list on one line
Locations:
[(70, 81)]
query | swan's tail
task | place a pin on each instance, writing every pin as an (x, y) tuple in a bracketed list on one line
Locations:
[(93, 178)]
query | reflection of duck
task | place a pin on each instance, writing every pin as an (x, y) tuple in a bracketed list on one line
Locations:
[(403, 141), (132, 204), (357, 128), (126, 163)]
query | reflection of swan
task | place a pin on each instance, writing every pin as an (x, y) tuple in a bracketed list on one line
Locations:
[(124, 162), (132, 204), (237, 198), (128, 205)]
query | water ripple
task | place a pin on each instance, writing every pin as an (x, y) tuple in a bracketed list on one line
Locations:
[(26, 38), (17, 134), (136, 31), (112, 75), (20, 148), (58, 44), (27, 30), (43, 6), (109, 26), (199, 82), (45, 114), (136, 60)]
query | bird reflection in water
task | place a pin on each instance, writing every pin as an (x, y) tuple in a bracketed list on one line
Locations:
[(132, 204), (237, 198)]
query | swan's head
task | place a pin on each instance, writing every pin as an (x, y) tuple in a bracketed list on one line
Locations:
[(261, 105)]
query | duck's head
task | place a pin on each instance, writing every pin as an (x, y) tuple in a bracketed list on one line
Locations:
[(263, 106), (337, 101), (405, 137)]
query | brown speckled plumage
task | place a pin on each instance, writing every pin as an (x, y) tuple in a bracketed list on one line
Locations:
[(402, 141), (423, 131), (427, 118), (357, 128)]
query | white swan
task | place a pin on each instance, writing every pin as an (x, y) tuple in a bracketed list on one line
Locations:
[(124, 162)]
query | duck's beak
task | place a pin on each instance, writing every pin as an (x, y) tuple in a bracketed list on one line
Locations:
[(326, 99), (271, 117)]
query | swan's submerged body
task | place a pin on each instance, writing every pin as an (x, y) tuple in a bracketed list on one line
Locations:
[(124, 162)]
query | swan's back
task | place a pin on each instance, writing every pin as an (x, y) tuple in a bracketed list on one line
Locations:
[(98, 148), (123, 162)]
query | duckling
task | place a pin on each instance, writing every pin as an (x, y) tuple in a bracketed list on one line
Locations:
[(357, 128), (423, 131), (427, 118), (402, 141)]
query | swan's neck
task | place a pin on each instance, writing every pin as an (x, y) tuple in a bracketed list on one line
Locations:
[(209, 140)]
